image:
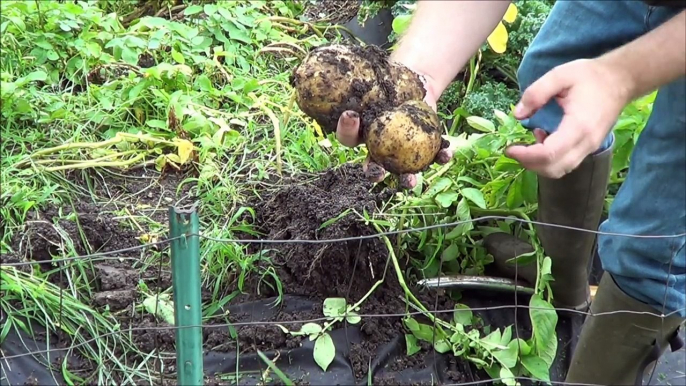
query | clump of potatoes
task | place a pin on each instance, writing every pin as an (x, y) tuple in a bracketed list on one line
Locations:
[(400, 130)]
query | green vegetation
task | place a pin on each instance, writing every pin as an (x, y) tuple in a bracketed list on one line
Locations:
[(96, 94)]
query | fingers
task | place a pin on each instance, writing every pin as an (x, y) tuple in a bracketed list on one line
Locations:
[(540, 135), (408, 181), (552, 84), (553, 155), (373, 171), (348, 130), (444, 156)]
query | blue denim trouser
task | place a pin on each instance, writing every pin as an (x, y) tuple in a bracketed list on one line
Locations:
[(652, 200)]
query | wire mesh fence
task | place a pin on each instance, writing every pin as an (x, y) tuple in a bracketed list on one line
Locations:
[(190, 333)]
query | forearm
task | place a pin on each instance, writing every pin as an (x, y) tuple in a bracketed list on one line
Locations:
[(444, 35), (653, 60)]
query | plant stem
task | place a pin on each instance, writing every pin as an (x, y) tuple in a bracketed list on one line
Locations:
[(401, 278)]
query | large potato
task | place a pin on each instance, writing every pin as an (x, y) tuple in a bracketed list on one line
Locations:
[(332, 79), (405, 139)]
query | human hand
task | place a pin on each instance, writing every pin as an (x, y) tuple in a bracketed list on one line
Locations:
[(348, 134), (591, 94)]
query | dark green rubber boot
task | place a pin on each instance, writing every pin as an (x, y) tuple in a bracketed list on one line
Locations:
[(575, 200), (616, 348)]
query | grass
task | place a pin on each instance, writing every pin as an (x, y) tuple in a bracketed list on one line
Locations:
[(93, 93)]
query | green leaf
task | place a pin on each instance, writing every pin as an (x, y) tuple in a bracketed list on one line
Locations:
[(438, 186), (470, 180), (442, 346), (324, 351), (537, 367), (450, 253), (543, 320), (353, 317), (529, 187), (463, 214), (514, 194), (481, 124), (177, 56), (507, 336), (156, 123), (474, 195), (210, 9), (411, 345), (161, 307), (420, 331), (523, 259), (524, 348), (193, 9), (462, 315), (546, 266), (507, 377), (411, 324), (445, 199), (400, 23), (504, 164), (33, 76), (310, 328), (334, 307), (509, 356)]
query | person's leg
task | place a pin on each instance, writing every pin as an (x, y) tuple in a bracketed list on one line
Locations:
[(574, 30), (642, 275)]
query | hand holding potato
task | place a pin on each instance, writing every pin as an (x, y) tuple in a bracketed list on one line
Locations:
[(365, 98), (348, 134)]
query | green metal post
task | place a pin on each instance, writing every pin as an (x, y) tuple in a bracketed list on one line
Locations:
[(185, 259)]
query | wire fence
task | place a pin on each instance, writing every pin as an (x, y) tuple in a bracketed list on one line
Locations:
[(179, 278)]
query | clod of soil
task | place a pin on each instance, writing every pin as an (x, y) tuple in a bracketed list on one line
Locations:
[(300, 211), (335, 78)]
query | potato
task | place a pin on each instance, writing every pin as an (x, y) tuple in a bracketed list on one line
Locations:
[(400, 130), (334, 78), (405, 139), (330, 80)]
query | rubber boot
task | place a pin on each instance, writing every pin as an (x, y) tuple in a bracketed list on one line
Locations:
[(575, 200), (618, 347)]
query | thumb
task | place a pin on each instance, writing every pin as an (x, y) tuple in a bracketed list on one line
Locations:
[(552, 84)]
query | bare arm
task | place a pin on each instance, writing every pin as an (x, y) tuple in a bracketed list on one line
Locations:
[(653, 60), (444, 35)]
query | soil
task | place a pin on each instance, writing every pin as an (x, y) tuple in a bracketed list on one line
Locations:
[(332, 11)]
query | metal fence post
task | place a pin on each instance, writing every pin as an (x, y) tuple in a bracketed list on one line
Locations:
[(185, 260)]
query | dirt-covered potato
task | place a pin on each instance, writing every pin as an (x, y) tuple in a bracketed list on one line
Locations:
[(405, 139), (336, 77), (330, 80), (400, 130)]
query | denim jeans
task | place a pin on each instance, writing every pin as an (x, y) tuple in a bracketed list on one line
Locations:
[(652, 200)]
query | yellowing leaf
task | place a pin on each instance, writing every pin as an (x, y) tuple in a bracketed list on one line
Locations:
[(498, 39), (185, 148), (317, 129), (511, 13)]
